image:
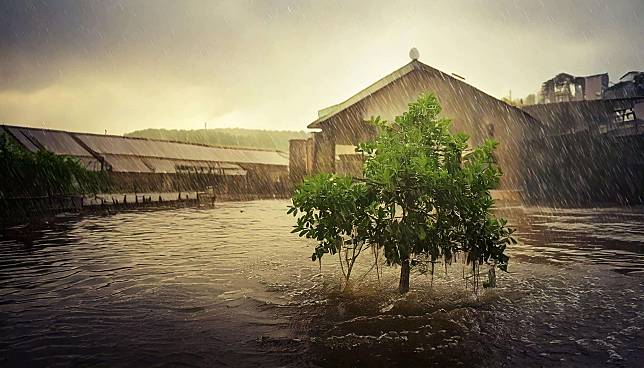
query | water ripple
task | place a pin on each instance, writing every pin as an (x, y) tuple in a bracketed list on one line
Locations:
[(231, 286)]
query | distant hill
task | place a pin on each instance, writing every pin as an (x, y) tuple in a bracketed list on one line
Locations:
[(234, 137)]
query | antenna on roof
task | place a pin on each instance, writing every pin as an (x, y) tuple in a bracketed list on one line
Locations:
[(458, 76), (414, 54)]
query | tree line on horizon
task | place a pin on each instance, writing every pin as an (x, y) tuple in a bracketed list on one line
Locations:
[(233, 137)]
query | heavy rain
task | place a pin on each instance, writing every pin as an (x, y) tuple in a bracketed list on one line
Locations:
[(321, 184)]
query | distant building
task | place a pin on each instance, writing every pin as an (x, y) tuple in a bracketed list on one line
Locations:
[(565, 88), (139, 164), (591, 152), (343, 126), (613, 117), (594, 86), (630, 84)]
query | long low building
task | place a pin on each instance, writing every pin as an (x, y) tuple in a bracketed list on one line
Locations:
[(136, 164)]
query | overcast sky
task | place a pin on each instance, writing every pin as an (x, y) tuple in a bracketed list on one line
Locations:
[(126, 65)]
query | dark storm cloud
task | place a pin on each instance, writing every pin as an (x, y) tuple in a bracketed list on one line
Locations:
[(132, 64)]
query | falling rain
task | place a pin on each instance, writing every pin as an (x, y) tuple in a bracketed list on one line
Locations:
[(321, 184)]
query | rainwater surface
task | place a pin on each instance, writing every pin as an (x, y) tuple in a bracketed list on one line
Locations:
[(231, 286)]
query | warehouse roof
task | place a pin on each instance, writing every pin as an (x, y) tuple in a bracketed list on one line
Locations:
[(128, 154)]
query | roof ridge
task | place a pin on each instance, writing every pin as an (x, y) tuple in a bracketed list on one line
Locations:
[(410, 67)]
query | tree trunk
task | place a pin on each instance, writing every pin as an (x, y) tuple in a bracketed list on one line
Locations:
[(403, 287)]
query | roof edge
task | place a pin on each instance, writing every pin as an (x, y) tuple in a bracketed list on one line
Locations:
[(239, 148)]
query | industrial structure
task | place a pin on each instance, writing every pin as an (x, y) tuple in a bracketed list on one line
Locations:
[(565, 87), (590, 152), (139, 164)]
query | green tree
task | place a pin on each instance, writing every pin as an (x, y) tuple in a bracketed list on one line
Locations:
[(530, 99), (334, 211), (25, 173), (424, 197)]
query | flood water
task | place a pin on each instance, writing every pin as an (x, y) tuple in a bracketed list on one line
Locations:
[(230, 286)]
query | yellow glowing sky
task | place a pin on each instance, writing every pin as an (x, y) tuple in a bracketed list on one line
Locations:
[(121, 66)]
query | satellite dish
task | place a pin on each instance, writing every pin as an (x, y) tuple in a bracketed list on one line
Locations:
[(414, 54)]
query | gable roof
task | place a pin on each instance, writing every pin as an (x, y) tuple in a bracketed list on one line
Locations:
[(329, 112), (628, 73)]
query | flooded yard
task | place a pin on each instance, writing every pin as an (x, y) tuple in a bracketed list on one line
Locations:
[(231, 286)]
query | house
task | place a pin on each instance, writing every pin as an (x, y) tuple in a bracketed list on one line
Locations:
[(630, 84), (339, 128), (566, 88)]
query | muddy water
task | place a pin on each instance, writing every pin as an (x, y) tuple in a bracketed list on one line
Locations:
[(231, 286)]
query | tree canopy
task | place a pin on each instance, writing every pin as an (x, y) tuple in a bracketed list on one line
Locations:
[(424, 197), (26, 173)]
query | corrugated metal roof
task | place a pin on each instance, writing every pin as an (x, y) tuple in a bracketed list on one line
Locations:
[(17, 134), (178, 151), (124, 163), (138, 155), (90, 163), (55, 141)]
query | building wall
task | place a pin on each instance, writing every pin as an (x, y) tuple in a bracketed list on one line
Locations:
[(259, 179), (580, 169), (597, 117), (309, 155), (587, 155), (594, 86), (350, 165), (472, 111), (297, 165), (323, 151)]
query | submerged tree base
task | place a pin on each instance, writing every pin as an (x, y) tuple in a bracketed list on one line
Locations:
[(405, 269)]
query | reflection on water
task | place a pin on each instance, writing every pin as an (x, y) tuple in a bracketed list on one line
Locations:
[(612, 237), (231, 286)]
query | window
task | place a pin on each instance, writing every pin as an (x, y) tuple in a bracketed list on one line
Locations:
[(624, 115)]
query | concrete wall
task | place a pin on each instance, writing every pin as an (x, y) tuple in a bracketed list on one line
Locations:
[(350, 165), (586, 156), (323, 152), (594, 86), (297, 165)]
